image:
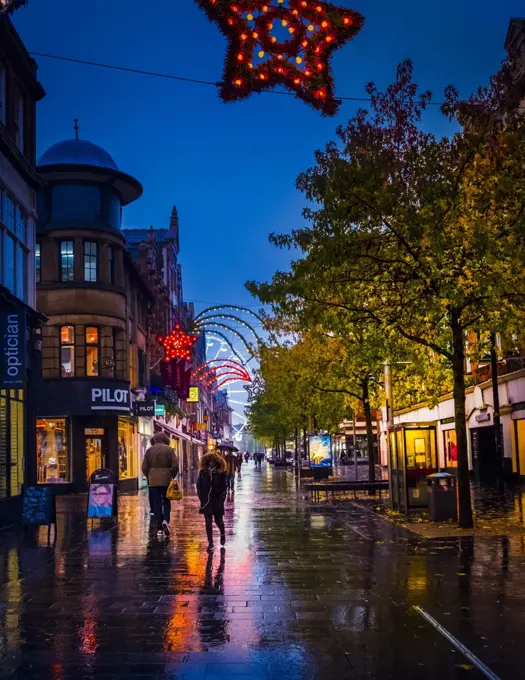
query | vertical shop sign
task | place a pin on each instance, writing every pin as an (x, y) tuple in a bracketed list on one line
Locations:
[(12, 349)]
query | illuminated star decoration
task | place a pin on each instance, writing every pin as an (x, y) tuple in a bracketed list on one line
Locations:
[(9, 6), (286, 42), (178, 344)]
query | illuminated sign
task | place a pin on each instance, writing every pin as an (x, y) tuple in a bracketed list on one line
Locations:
[(194, 395)]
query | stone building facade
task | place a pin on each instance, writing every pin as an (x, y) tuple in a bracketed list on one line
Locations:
[(95, 341), (19, 322)]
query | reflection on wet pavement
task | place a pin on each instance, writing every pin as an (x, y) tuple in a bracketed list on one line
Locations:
[(300, 593)]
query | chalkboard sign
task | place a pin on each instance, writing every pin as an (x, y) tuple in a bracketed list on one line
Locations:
[(38, 506)]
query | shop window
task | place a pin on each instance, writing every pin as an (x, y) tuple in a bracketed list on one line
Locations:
[(420, 449), (451, 448), (52, 456), (126, 450), (92, 351), (90, 261), (11, 442), (67, 261), (67, 351), (519, 446), (37, 262)]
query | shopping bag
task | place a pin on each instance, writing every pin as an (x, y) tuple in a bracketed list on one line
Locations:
[(174, 493)]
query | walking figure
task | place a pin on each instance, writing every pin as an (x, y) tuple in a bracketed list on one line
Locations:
[(231, 467), (212, 489), (160, 466)]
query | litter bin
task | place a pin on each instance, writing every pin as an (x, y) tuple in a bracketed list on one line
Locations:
[(442, 500)]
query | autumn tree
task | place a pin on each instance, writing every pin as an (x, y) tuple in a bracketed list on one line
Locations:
[(416, 236)]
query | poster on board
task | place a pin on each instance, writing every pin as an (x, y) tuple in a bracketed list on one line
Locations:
[(102, 495), (320, 451)]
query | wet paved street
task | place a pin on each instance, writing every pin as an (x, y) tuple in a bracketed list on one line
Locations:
[(300, 593)]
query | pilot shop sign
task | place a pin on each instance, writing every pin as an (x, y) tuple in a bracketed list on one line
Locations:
[(12, 349), (109, 399)]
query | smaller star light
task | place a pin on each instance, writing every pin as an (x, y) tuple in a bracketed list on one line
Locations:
[(178, 344), (9, 6), (282, 42)]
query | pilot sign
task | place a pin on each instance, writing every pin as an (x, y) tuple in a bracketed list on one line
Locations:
[(109, 399)]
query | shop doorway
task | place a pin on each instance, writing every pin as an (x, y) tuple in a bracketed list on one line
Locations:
[(96, 450), (484, 452)]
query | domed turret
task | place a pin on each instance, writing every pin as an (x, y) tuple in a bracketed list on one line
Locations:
[(77, 152), (85, 188)]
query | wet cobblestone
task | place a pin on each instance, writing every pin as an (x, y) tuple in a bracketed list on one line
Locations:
[(302, 592)]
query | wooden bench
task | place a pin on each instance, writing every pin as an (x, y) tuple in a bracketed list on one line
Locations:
[(355, 486)]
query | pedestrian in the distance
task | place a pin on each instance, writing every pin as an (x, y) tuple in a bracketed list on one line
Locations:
[(231, 466), (211, 489), (160, 466)]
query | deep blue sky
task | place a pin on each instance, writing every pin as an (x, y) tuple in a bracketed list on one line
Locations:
[(230, 169)]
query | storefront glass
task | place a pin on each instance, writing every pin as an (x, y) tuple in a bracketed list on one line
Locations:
[(519, 447), (52, 454), (145, 427), (420, 449), (11, 442), (451, 448), (95, 450), (126, 449)]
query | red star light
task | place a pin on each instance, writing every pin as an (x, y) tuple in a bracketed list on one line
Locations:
[(178, 344), (286, 42)]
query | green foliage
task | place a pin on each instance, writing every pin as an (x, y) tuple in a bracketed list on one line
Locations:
[(414, 241)]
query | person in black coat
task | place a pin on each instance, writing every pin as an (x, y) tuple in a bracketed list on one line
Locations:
[(212, 489)]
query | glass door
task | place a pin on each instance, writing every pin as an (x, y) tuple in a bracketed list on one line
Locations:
[(95, 454)]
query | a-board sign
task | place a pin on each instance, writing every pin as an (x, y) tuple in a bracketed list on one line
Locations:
[(38, 506), (102, 495)]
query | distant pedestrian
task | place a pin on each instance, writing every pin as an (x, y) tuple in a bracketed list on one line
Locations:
[(160, 466), (231, 466), (211, 489)]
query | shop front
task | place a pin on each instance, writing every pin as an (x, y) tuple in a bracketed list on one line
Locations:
[(413, 456), (84, 425), (18, 362)]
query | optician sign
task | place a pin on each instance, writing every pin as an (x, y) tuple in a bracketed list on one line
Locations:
[(12, 349), (109, 399)]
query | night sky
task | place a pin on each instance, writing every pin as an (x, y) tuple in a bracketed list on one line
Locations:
[(230, 169)]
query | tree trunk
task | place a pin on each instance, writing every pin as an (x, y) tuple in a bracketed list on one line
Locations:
[(296, 436), (458, 368), (369, 433)]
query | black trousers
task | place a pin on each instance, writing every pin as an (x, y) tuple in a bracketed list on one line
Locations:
[(219, 521), (160, 504)]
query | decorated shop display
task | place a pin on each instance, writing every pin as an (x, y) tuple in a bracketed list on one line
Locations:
[(282, 42)]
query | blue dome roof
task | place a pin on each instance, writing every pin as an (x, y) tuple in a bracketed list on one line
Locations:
[(77, 152)]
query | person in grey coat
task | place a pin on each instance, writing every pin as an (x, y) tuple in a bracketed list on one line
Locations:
[(160, 466)]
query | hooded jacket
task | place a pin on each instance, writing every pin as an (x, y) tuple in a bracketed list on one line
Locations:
[(160, 464), (211, 484)]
